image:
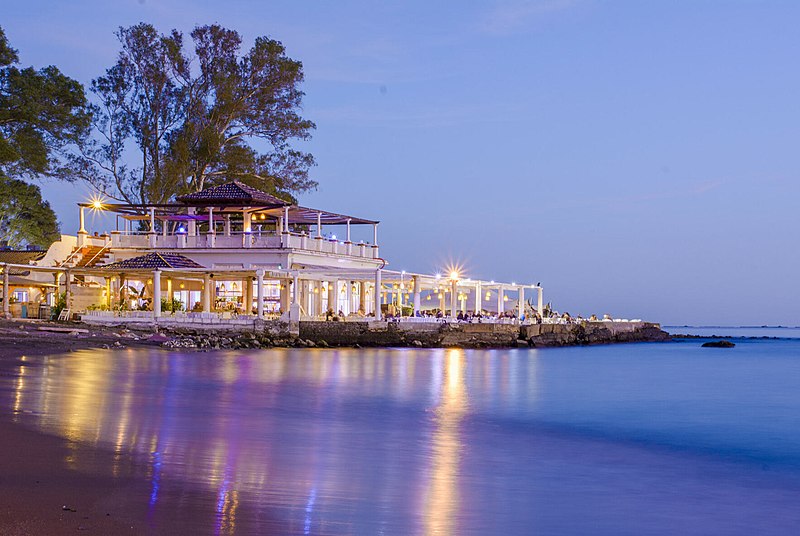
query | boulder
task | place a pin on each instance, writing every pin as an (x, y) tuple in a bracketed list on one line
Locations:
[(718, 344)]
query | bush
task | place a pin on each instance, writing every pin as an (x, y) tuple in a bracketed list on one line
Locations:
[(171, 305), (61, 304)]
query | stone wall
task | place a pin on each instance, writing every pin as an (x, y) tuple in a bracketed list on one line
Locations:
[(543, 335), (382, 334), (478, 335)]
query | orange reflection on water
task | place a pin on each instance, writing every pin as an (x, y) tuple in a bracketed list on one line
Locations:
[(442, 498)]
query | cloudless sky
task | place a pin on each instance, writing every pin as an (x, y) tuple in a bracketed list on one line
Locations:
[(639, 158)]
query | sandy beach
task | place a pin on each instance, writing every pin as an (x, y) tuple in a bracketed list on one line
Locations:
[(40, 494)]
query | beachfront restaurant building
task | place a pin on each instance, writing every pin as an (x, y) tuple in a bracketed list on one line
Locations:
[(234, 254)]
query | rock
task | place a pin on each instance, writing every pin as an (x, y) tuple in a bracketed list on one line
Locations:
[(718, 344), (416, 343), (522, 343), (323, 344), (310, 344)]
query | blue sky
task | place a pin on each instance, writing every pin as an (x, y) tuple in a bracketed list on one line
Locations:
[(637, 158)]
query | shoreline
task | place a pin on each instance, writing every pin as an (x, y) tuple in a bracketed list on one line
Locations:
[(36, 482), (43, 495)]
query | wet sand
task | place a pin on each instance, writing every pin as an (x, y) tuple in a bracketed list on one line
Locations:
[(40, 493)]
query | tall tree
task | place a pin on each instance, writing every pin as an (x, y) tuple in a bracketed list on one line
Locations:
[(196, 120), (25, 218), (42, 115)]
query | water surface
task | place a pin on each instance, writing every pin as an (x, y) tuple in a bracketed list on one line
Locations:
[(626, 439)]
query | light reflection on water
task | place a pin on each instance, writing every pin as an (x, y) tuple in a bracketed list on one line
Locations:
[(404, 441)]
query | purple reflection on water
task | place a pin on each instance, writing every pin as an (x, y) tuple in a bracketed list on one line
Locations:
[(657, 439)]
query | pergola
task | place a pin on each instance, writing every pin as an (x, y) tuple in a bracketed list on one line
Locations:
[(234, 204)]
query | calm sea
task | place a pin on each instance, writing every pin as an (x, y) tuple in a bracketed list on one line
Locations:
[(637, 439)]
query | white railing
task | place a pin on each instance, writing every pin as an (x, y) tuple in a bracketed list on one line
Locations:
[(256, 240)]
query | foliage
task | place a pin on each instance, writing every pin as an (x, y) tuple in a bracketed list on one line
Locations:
[(42, 114), (196, 120), (61, 304), (171, 305), (25, 218)]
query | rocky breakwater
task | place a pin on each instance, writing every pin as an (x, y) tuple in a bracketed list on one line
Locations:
[(414, 334), (479, 335), (418, 334), (545, 335)]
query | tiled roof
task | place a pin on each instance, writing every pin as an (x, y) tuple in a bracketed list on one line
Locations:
[(232, 193), (153, 261), (21, 257)]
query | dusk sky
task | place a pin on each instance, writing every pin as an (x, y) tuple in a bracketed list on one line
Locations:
[(638, 158)]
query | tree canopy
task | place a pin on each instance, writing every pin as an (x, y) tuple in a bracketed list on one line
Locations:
[(43, 113), (25, 218), (192, 121)]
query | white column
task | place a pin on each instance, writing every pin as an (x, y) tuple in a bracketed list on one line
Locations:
[(349, 294), (539, 305), (109, 302), (208, 288), (318, 310), (362, 296), (348, 231), (227, 226), (247, 226), (375, 234), (416, 294), (521, 302), (212, 232), (247, 299), (500, 307), (260, 292), (333, 295), (453, 298), (192, 225), (295, 287), (285, 219), (152, 233), (378, 312), (156, 294), (319, 224), (68, 288), (284, 305), (82, 231), (478, 298)]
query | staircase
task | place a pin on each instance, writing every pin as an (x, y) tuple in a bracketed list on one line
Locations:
[(87, 257)]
